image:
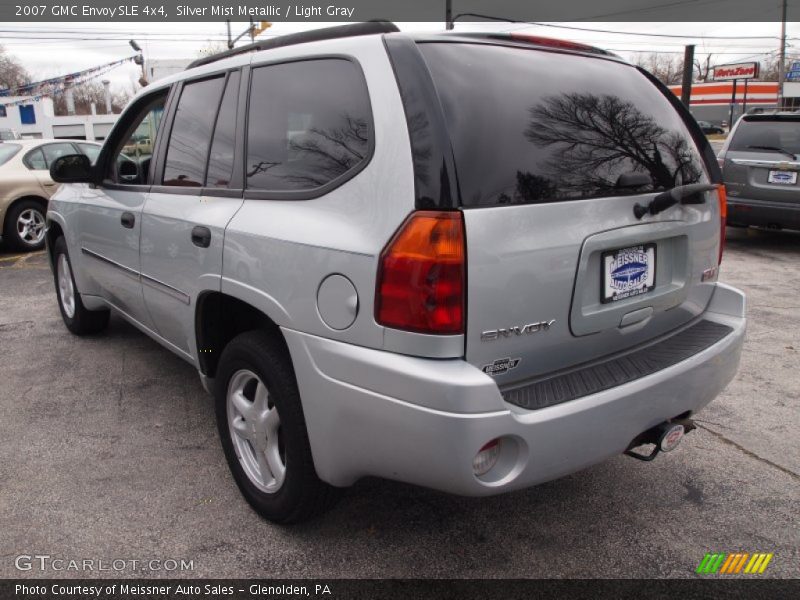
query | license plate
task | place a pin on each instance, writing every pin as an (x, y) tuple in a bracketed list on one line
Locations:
[(628, 272), (782, 177)]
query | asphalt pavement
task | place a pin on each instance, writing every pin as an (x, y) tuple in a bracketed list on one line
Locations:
[(108, 450)]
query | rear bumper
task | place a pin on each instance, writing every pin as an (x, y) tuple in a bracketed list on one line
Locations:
[(743, 211), (422, 421)]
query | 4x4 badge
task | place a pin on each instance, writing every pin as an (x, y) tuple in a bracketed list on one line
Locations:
[(500, 366)]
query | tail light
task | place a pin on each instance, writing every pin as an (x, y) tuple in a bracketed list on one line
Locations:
[(421, 275), (723, 217)]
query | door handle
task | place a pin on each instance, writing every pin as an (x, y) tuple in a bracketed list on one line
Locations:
[(201, 236), (128, 220)]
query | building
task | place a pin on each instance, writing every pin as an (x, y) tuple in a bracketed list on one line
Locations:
[(712, 101), (160, 68), (35, 118)]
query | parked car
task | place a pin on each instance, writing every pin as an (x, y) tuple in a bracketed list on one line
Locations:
[(383, 269), (760, 167), (8, 134), (25, 187), (709, 128)]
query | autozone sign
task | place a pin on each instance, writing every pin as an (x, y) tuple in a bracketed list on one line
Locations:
[(738, 71)]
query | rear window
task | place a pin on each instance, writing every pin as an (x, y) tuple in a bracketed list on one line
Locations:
[(529, 126), (763, 135), (7, 152)]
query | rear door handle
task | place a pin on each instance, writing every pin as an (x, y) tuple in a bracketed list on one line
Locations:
[(128, 220), (201, 236)]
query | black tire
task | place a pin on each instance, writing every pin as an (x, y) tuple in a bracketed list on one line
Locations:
[(12, 236), (302, 495), (83, 321)]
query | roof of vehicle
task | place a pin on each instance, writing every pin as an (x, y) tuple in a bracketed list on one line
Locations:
[(776, 115), (33, 142), (381, 27)]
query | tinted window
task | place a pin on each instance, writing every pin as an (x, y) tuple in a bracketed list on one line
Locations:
[(309, 124), (53, 151), (35, 159), (784, 134), (220, 159), (191, 133), (7, 152), (90, 150), (529, 126)]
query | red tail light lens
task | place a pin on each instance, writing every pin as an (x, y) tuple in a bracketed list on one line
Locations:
[(421, 275), (723, 217)]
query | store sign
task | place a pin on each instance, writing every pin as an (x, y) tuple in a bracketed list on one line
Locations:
[(737, 71)]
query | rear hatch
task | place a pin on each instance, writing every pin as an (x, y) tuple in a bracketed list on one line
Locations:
[(547, 146), (760, 159)]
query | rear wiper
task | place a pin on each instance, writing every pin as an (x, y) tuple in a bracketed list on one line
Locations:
[(691, 193), (775, 149)]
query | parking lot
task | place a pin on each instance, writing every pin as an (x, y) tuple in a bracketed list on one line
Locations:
[(109, 450)]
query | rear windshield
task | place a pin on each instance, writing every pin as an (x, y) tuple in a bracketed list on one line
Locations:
[(529, 126), (767, 136), (7, 152)]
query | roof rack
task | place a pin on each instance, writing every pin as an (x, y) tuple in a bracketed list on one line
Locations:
[(315, 35)]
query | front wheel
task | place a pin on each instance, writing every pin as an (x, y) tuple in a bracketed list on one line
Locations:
[(78, 319), (263, 431)]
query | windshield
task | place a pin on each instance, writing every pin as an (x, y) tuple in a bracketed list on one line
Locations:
[(7, 151), (783, 134), (529, 126)]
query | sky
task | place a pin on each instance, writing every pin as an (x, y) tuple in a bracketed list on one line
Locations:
[(51, 49)]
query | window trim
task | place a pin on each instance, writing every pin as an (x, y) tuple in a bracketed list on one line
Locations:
[(317, 192), (235, 189), (120, 132)]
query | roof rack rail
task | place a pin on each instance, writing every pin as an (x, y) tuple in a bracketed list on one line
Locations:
[(314, 35)]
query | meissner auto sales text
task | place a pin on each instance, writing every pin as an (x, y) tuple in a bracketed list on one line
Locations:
[(130, 589)]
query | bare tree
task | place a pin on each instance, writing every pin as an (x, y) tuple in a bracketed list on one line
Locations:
[(703, 68), (667, 68), (12, 73), (769, 66), (87, 93)]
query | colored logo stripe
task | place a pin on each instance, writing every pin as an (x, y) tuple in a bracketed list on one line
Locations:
[(731, 564)]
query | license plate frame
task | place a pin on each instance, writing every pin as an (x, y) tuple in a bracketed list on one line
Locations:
[(639, 282), (779, 177)]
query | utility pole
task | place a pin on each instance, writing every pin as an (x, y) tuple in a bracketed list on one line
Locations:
[(448, 14), (781, 65), (688, 70), (230, 41)]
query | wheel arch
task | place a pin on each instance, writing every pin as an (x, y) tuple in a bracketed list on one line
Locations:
[(23, 198), (220, 317)]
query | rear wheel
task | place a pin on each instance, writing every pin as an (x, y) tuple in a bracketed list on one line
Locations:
[(78, 319), (25, 225), (263, 431)]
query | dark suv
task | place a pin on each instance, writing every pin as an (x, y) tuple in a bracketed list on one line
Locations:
[(760, 168)]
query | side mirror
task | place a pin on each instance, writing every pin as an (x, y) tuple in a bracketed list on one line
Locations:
[(72, 168)]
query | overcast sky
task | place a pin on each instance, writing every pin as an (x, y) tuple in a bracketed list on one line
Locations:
[(51, 49)]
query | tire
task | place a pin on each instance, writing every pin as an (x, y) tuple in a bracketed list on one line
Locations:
[(263, 432), (25, 226), (78, 319)]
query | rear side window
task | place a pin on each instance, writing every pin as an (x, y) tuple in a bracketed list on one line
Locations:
[(220, 160), (765, 135), (529, 126), (191, 133), (35, 160), (309, 124), (90, 150), (7, 152), (54, 151)]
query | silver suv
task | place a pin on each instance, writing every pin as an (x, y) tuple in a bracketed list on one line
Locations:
[(467, 262)]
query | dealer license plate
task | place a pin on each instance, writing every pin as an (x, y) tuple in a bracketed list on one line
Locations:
[(628, 272), (782, 177)]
